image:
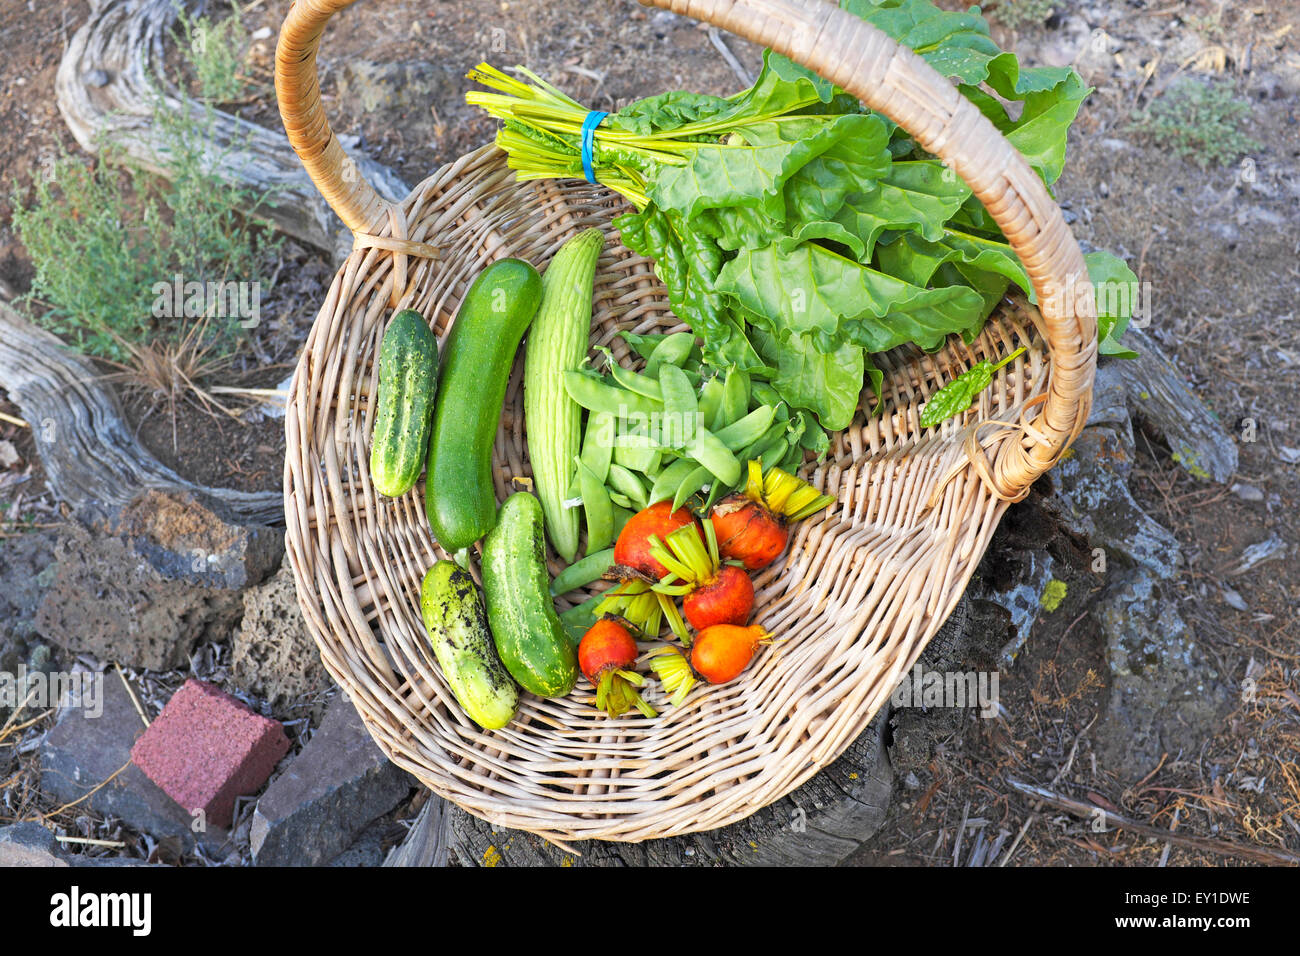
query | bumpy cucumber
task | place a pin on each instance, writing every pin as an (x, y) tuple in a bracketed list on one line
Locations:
[(557, 343), (529, 636), (458, 630), (408, 380), (458, 493)]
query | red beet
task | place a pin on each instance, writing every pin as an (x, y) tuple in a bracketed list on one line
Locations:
[(632, 550), (606, 656), (748, 532), (727, 599)]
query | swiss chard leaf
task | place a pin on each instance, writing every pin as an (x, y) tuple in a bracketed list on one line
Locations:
[(753, 173), (959, 47), (783, 86), (667, 111), (807, 289), (826, 383), (1118, 295), (920, 195)]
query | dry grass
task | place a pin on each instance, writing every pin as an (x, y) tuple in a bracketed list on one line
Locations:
[(171, 373)]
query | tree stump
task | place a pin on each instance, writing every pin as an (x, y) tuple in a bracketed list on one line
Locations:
[(819, 824)]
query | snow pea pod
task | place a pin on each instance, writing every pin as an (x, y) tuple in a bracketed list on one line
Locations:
[(577, 620), (598, 444), (596, 395), (625, 482), (681, 411), (735, 397), (670, 479), (692, 483), (710, 452), (747, 429), (711, 410), (582, 572), (636, 382), (675, 349), (598, 508)]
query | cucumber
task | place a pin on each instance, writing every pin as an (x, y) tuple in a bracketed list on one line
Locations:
[(408, 379), (557, 343), (458, 493), (529, 636), (458, 630)]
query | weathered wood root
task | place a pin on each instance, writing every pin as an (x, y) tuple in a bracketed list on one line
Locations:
[(1161, 399), (90, 457), (107, 85)]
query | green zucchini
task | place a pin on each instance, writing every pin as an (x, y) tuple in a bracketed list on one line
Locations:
[(408, 380), (529, 636), (458, 630), (557, 343), (458, 493)]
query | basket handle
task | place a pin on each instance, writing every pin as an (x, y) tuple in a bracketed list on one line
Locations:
[(886, 77)]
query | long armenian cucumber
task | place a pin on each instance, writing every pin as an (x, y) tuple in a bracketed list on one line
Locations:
[(557, 343), (529, 637), (408, 380), (480, 350), (458, 630)]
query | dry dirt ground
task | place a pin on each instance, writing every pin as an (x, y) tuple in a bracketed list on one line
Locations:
[(1219, 246)]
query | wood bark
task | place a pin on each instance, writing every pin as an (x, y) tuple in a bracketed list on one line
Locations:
[(819, 824), (90, 457), (108, 85)]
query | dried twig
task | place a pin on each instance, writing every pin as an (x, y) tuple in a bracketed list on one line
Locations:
[(719, 44), (1087, 810), (131, 693)]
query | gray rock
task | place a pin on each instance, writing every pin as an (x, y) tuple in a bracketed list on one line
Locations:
[(90, 741), (1092, 499), (1160, 398), (1272, 548), (1166, 696), (1247, 492), (25, 569), (377, 87), (108, 601), (272, 655), (1019, 595), (327, 795), (367, 850), (144, 585), (25, 560), (1110, 398), (29, 844), (198, 540)]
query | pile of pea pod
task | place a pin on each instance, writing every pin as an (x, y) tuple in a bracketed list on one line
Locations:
[(677, 429)]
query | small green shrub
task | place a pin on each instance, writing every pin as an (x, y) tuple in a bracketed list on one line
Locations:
[(215, 53), (1199, 121), (103, 235)]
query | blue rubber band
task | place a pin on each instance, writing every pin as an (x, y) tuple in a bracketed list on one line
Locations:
[(588, 141)]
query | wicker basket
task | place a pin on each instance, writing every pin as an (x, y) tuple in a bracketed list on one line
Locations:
[(862, 588)]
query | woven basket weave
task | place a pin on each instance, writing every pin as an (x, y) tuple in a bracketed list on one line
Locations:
[(863, 586)]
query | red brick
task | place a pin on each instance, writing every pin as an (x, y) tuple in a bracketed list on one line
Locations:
[(206, 748)]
